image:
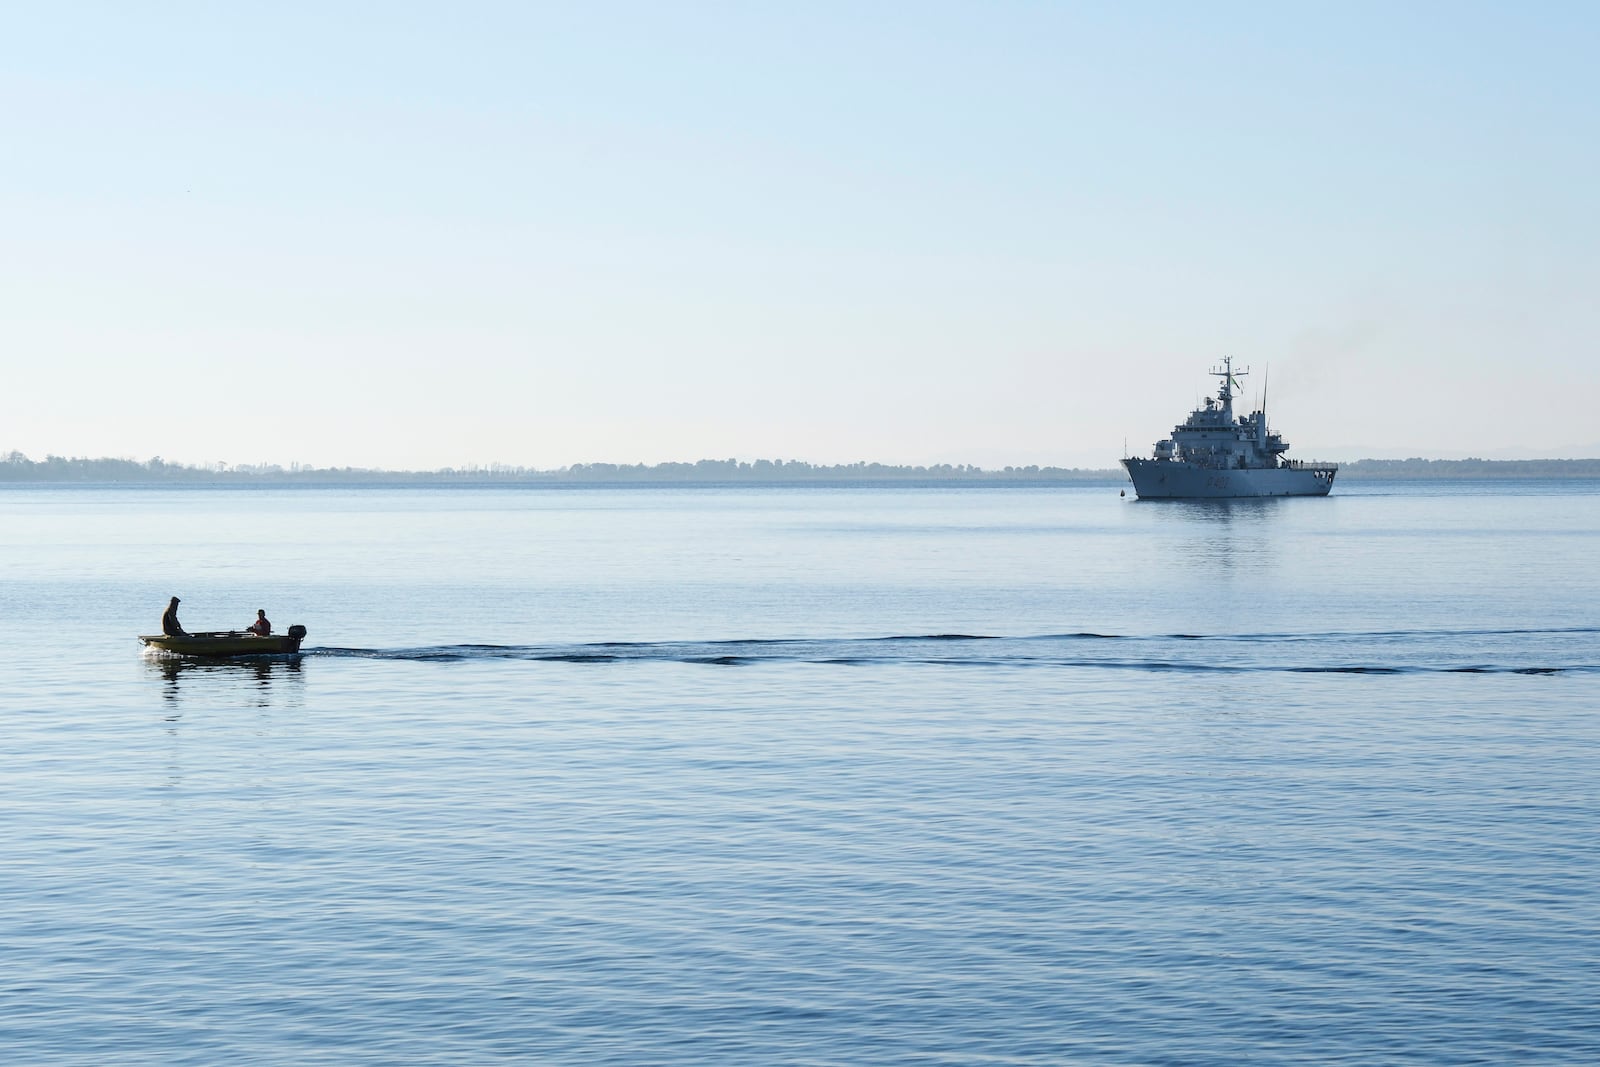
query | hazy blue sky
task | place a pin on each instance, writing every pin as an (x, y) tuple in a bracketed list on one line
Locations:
[(418, 235)]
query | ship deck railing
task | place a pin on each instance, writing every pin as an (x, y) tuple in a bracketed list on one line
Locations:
[(1310, 464)]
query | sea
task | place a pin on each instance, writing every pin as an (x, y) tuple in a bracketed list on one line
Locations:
[(771, 775)]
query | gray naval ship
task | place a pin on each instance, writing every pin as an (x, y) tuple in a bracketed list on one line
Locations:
[(1213, 454)]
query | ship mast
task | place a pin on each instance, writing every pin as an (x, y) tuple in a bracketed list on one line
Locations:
[(1230, 379), (1266, 379)]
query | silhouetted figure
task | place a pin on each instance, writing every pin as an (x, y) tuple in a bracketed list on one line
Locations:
[(169, 620), (261, 627)]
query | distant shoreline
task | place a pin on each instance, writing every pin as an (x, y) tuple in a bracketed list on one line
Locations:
[(55, 470)]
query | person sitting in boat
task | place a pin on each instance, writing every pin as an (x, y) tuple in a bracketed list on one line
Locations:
[(261, 627), (169, 620)]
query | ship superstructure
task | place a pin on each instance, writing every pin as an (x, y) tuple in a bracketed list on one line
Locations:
[(1214, 454)]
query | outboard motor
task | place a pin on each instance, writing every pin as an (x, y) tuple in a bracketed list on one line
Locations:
[(297, 632)]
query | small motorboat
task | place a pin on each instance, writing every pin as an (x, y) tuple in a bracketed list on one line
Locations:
[(227, 643)]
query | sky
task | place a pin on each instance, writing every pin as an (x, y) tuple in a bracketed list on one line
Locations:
[(415, 236)]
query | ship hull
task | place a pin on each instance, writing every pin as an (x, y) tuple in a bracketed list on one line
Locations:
[(1173, 479)]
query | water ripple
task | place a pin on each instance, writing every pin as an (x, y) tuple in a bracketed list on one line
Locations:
[(1299, 653)]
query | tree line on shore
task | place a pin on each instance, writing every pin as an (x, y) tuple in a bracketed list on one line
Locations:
[(17, 467), (1467, 469)]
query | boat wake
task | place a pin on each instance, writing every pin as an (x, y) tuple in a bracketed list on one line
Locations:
[(1536, 651)]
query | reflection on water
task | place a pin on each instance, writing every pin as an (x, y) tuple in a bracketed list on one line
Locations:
[(1224, 511), (1230, 535), (254, 677)]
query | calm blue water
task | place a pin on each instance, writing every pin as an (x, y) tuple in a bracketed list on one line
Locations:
[(804, 776)]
